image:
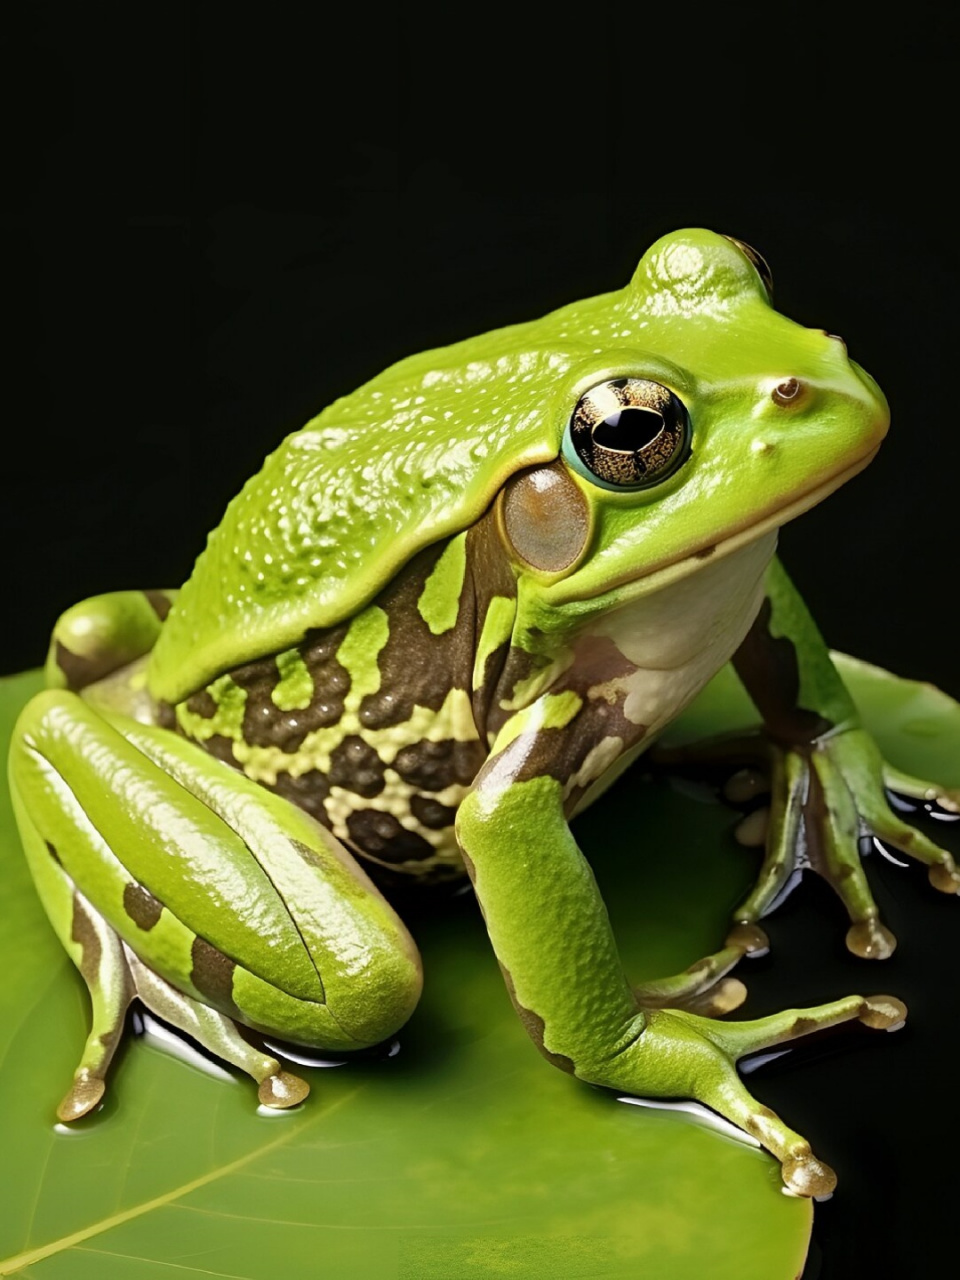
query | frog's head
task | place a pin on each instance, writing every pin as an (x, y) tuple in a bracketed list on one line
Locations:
[(702, 420), (630, 436)]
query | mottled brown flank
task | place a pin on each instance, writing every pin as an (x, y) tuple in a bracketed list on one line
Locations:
[(308, 791), (264, 724), (535, 1027), (141, 906), (159, 602), (518, 666), (221, 747), (560, 752), (770, 672), (202, 704), (418, 668), (434, 766), (490, 573), (355, 766), (382, 836), (431, 813), (212, 975), (166, 715), (487, 713), (83, 932)]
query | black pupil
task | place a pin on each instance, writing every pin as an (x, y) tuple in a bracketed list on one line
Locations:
[(628, 430)]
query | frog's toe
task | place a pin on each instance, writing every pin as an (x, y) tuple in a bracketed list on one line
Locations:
[(751, 831), (83, 1097), (921, 790), (870, 940), (805, 1175), (942, 870), (705, 988), (883, 1013), (944, 877), (282, 1089), (749, 938), (723, 997), (706, 1071)]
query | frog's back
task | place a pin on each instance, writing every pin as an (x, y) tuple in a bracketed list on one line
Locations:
[(415, 455)]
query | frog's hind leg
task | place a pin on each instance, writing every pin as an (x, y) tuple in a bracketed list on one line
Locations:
[(218, 1034), (98, 636), (213, 901), (115, 977), (99, 955)]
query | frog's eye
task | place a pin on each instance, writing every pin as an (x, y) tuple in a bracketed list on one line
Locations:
[(628, 433), (758, 261)]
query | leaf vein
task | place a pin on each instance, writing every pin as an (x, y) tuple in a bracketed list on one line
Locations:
[(29, 1256), (159, 1262)]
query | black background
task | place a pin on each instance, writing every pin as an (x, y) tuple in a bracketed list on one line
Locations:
[(214, 228)]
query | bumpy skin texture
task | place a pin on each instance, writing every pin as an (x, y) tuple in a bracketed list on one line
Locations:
[(424, 637)]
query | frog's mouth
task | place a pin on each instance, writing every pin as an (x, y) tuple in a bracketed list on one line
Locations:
[(630, 587)]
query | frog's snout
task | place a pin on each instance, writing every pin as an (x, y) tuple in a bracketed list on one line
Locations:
[(879, 405)]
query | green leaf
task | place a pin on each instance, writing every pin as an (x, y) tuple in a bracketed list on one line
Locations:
[(465, 1155)]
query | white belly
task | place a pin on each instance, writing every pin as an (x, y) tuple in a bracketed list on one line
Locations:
[(678, 638)]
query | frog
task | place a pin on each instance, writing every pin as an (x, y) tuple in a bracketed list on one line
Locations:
[(439, 622)]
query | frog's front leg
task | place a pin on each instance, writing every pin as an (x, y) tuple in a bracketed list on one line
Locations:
[(827, 775), (552, 936), (170, 877)]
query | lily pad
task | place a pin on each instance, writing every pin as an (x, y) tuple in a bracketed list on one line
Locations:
[(464, 1154)]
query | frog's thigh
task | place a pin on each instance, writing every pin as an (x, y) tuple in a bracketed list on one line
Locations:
[(100, 635), (227, 896)]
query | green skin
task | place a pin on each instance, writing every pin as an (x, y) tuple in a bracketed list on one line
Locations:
[(421, 639)]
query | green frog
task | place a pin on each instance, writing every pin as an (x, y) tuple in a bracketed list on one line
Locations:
[(435, 627)]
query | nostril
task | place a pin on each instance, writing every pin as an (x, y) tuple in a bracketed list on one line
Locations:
[(835, 336)]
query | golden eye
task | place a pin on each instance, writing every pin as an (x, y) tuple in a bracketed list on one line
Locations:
[(628, 433), (787, 392), (758, 261)]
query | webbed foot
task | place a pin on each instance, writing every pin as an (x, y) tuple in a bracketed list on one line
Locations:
[(828, 804), (678, 1053)]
